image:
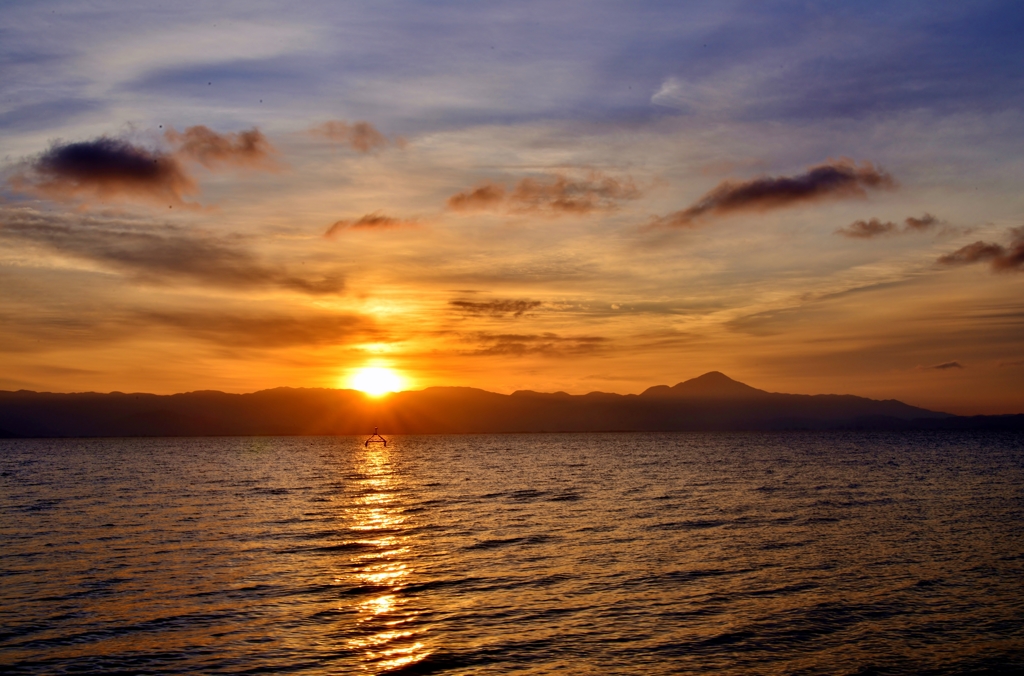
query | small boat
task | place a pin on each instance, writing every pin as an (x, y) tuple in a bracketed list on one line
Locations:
[(376, 439)]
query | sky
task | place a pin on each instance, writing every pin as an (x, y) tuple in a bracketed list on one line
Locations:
[(810, 197)]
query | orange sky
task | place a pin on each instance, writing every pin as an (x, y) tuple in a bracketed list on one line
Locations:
[(280, 201)]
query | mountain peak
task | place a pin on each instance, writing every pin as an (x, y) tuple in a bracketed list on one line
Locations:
[(712, 377), (711, 384)]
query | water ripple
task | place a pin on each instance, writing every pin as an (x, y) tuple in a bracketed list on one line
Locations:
[(790, 553)]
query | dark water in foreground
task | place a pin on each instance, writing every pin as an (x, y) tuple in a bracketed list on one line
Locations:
[(613, 553)]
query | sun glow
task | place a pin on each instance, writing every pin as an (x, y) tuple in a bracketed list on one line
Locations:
[(376, 380)]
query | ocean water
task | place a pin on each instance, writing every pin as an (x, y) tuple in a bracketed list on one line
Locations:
[(789, 553)]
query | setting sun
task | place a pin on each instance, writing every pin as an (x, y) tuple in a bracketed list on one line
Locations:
[(376, 380)]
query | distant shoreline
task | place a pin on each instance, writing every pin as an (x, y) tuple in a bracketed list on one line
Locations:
[(711, 403)]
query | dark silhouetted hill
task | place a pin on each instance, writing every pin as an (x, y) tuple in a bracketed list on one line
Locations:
[(708, 403)]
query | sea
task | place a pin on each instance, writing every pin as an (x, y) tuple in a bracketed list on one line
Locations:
[(748, 553)]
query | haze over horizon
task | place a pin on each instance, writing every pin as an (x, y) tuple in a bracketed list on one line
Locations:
[(550, 197), (710, 383)]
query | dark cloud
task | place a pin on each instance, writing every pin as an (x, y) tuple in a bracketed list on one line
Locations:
[(254, 330), (555, 195), (159, 257), (926, 222), (107, 168), (1002, 258), (496, 308), (973, 253), (484, 196), (833, 180), (374, 221), (945, 366), (360, 136), (867, 229), (874, 227), (549, 344), (245, 149)]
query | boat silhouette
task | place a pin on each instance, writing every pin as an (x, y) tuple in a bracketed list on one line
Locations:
[(376, 439)]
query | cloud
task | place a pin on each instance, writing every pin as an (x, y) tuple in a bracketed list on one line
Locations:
[(107, 168), (549, 344), (671, 93), (562, 195), (244, 149), (253, 326), (49, 114), (170, 254), (268, 330), (374, 221), (1002, 258), (556, 195), (926, 222), (496, 308), (360, 136), (722, 94), (484, 196), (945, 366), (874, 227), (833, 180), (867, 229)]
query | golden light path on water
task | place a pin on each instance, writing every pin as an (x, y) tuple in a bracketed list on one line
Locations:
[(388, 643)]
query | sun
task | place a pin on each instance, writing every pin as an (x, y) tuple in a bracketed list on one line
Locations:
[(376, 380)]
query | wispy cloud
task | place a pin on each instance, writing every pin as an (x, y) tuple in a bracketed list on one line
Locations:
[(243, 149), (361, 136), (548, 344), (106, 168), (1001, 258), (675, 93), (374, 221), (563, 195), (267, 330), (158, 256), (496, 308), (727, 91), (833, 180), (874, 227), (555, 195), (945, 366)]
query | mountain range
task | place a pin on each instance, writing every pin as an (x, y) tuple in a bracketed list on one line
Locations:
[(711, 402)]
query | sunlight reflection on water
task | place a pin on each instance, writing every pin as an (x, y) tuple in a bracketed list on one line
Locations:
[(386, 567)]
